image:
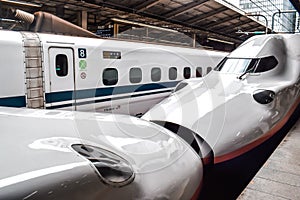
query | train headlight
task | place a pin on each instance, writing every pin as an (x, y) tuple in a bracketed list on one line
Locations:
[(113, 169), (264, 96)]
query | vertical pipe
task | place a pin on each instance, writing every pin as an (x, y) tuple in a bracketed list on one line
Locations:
[(116, 29), (260, 15), (279, 12), (0, 8), (147, 32), (194, 40), (84, 19)]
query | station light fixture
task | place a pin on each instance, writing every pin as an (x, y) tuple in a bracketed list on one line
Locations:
[(222, 41), (251, 33)]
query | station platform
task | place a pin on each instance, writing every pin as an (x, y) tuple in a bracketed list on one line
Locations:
[(279, 178)]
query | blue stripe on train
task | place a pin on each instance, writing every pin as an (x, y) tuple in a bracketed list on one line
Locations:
[(18, 101), (101, 92), (107, 99)]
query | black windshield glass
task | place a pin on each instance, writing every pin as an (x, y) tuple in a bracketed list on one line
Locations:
[(266, 64)]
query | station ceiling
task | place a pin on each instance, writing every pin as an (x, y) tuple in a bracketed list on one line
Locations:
[(207, 19)]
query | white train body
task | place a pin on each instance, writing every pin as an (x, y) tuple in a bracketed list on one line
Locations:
[(89, 74), (248, 97), (55, 154)]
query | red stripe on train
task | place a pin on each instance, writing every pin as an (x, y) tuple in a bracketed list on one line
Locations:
[(197, 192)]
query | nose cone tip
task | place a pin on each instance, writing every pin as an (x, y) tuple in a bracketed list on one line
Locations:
[(181, 180), (180, 171)]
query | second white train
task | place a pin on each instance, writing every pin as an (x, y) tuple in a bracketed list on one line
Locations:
[(41, 70)]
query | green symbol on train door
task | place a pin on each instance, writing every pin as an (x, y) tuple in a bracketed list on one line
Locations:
[(82, 65)]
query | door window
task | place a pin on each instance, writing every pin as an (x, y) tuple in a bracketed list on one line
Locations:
[(61, 65)]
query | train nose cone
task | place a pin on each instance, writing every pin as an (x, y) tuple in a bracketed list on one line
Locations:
[(176, 172), (95, 156), (164, 165)]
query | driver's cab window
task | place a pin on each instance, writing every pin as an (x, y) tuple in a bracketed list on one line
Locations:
[(237, 65), (266, 64), (247, 65)]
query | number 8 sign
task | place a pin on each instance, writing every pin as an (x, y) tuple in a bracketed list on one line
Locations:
[(81, 53)]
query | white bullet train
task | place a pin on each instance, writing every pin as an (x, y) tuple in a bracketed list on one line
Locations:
[(54, 154), (40, 69), (247, 98)]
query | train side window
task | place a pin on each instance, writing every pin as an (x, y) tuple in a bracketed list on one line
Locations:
[(135, 75), (155, 74), (173, 73), (110, 76), (266, 64), (61, 65), (199, 72), (187, 72), (208, 70)]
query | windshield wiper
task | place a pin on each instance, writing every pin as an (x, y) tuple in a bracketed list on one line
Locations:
[(246, 72), (252, 64), (243, 74)]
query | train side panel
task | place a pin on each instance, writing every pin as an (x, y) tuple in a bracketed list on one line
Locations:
[(118, 76), (88, 74), (12, 87)]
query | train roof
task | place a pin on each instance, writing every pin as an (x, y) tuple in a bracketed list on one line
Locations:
[(265, 45), (15, 36)]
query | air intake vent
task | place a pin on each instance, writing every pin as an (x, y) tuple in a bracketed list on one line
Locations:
[(113, 169)]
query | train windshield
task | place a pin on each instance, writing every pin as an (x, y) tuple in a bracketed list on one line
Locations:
[(247, 65), (237, 65)]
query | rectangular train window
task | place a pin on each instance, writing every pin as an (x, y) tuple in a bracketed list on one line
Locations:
[(61, 65), (187, 72), (199, 72), (135, 75), (208, 70), (110, 76), (173, 73), (155, 74)]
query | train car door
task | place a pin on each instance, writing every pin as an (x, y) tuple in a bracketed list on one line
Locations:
[(62, 82)]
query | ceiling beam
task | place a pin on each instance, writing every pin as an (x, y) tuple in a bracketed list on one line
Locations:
[(105, 22), (184, 8), (253, 28), (146, 4), (226, 28), (226, 19), (194, 20), (124, 8)]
